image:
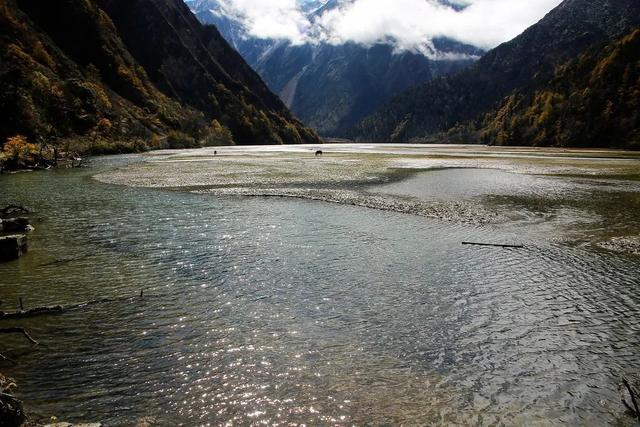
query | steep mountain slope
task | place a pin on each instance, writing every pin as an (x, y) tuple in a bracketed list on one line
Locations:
[(592, 100), (135, 70), (332, 87), (63, 82), (455, 101), (194, 64)]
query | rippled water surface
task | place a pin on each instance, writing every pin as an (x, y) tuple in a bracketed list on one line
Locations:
[(269, 310)]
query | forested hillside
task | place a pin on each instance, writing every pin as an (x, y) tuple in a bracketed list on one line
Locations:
[(457, 104), (593, 100), (113, 79)]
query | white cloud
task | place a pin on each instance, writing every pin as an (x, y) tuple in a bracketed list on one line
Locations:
[(269, 19), (407, 24)]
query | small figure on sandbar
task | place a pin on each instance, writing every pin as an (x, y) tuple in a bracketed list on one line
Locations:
[(318, 153)]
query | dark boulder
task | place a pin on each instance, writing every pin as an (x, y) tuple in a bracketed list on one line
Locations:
[(12, 247), (11, 411)]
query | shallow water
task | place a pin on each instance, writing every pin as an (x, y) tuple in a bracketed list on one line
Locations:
[(276, 310)]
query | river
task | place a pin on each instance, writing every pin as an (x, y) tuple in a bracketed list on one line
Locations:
[(294, 310)]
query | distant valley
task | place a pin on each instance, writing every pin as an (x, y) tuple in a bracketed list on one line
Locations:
[(330, 87)]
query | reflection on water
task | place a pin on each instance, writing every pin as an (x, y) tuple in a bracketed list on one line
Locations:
[(295, 311), (577, 210), (456, 184)]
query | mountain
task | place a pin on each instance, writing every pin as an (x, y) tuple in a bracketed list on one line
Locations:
[(138, 70), (332, 87), (592, 100), (458, 102), (194, 64), (62, 82)]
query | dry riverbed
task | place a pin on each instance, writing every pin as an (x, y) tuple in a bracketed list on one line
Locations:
[(574, 193)]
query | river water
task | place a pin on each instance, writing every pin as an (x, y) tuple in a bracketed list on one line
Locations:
[(291, 311)]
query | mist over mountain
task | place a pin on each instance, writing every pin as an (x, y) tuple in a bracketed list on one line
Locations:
[(404, 24), (331, 86)]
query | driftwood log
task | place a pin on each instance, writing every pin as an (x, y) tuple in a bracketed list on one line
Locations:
[(59, 309), (31, 312), (493, 245)]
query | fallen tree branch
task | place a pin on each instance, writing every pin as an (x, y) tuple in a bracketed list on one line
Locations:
[(32, 312), (7, 359), (18, 331), (59, 309), (494, 245), (64, 261)]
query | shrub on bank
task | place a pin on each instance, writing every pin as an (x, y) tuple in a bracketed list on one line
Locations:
[(177, 140), (217, 134), (18, 153), (103, 147)]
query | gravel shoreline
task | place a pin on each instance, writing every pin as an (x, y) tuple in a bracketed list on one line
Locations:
[(459, 211)]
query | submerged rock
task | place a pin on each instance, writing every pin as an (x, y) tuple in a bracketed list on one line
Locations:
[(12, 247), (16, 225), (13, 210)]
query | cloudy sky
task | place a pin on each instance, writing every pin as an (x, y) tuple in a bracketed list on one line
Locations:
[(408, 24)]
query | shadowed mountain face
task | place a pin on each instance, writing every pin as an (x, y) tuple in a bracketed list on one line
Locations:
[(148, 67), (63, 68), (460, 101), (332, 87), (591, 101)]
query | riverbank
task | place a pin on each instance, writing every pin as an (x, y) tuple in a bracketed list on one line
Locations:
[(18, 154)]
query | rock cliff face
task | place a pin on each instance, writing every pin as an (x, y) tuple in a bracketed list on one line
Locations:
[(130, 70), (461, 100)]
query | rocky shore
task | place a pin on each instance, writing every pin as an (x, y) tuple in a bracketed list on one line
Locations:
[(629, 245), (12, 413)]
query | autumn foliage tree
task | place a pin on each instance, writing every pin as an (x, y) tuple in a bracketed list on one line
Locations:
[(18, 153), (218, 135)]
